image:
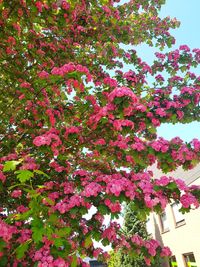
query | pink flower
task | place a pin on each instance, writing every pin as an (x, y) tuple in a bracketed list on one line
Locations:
[(65, 5), (2, 177), (185, 48), (92, 189), (59, 262), (161, 112), (39, 6), (72, 130), (43, 74), (116, 186), (150, 202), (16, 193), (25, 85), (166, 252), (160, 55), (110, 233), (180, 114), (187, 90), (114, 207), (41, 140), (100, 141), (181, 184), (122, 91), (188, 199), (139, 146), (163, 181), (136, 239), (148, 261), (196, 144), (119, 123), (6, 231), (109, 81)]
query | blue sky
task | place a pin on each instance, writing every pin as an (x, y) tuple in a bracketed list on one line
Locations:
[(187, 12)]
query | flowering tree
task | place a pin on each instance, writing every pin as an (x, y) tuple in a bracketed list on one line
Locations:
[(77, 132)]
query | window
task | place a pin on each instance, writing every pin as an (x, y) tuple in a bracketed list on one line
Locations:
[(164, 222), (178, 216), (149, 227), (94, 263), (172, 262), (189, 260)]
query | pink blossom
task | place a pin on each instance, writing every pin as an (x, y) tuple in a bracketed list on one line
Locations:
[(180, 114), (155, 122), (59, 262), (16, 193), (166, 252), (136, 239), (163, 181), (160, 55), (6, 231), (110, 233), (41, 140), (65, 5), (114, 207), (119, 123), (188, 199), (92, 189), (39, 6), (25, 85), (43, 74), (109, 81), (188, 90), (100, 141), (72, 130), (181, 184), (150, 202), (139, 146), (161, 112), (196, 144), (185, 48), (122, 91), (148, 261), (2, 177)]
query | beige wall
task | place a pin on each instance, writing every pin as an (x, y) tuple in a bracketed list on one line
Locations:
[(181, 239)]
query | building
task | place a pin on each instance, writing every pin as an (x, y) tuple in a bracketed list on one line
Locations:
[(181, 232)]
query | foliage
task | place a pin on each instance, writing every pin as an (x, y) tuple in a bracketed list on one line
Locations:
[(133, 225), (76, 132)]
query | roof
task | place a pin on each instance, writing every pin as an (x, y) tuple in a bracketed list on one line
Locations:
[(188, 176)]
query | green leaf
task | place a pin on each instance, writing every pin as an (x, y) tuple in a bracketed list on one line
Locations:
[(2, 244), (74, 75), (103, 209), (74, 262), (58, 242), (96, 235), (3, 261), (24, 175), (88, 241), (63, 232), (41, 172), (21, 249), (10, 165), (37, 234), (38, 229), (53, 218), (172, 186)]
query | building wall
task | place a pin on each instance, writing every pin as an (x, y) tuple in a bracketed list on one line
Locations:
[(184, 238)]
